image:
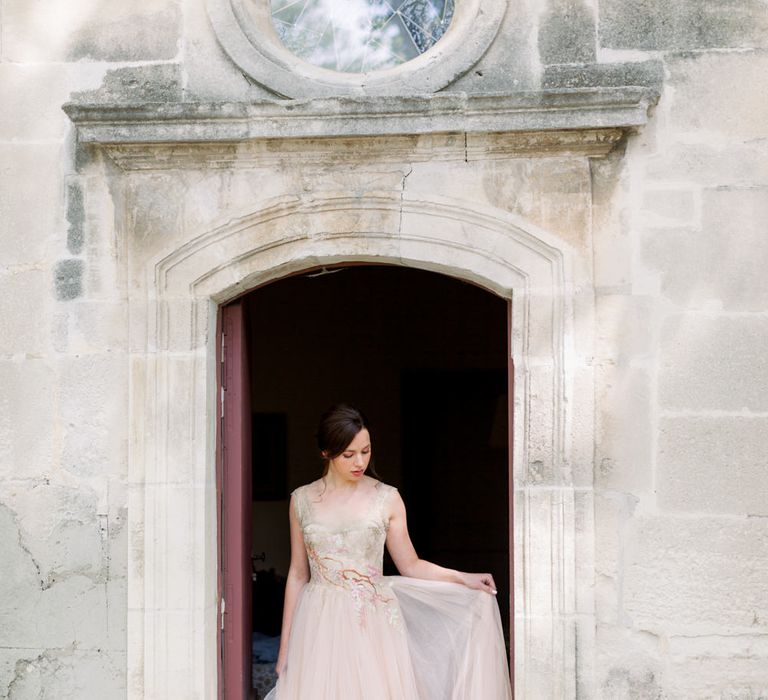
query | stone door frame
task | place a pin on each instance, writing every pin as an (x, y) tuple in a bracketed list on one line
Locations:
[(173, 297), (173, 617)]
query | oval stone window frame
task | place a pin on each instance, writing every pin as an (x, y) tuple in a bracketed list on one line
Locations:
[(250, 40)]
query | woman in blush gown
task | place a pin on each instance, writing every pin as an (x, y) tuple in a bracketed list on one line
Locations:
[(351, 633)]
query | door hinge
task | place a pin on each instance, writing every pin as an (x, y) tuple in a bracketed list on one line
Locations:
[(223, 609)]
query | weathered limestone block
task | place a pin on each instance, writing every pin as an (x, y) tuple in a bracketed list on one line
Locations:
[(734, 225), (611, 258), (637, 683), (68, 279), (93, 409), (153, 82), (27, 401), (65, 583), (648, 73), (75, 203), (710, 362), (36, 93), (696, 576), (246, 191), (706, 100), (606, 593), (154, 205), (30, 174), (553, 193), (711, 165), (629, 664), (211, 74), (86, 327), (509, 63), (627, 328), (98, 30), (611, 512), (540, 469), (581, 445), (711, 269), (20, 583), (567, 33), (684, 24), (718, 666), (584, 556), (24, 327), (669, 206), (61, 527), (713, 464), (69, 672), (624, 433), (69, 566)]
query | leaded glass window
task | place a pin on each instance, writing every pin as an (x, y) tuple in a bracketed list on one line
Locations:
[(357, 36)]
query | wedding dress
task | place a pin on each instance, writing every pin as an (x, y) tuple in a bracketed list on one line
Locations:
[(359, 635)]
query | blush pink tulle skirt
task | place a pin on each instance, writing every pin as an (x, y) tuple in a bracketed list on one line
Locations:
[(434, 640)]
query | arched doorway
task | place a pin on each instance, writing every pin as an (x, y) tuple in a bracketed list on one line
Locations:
[(426, 356), (175, 295)]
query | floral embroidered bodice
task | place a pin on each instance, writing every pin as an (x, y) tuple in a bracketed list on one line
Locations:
[(346, 548)]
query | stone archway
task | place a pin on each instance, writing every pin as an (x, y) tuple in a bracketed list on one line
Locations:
[(173, 616)]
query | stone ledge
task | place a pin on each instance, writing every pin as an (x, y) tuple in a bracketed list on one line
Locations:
[(623, 108)]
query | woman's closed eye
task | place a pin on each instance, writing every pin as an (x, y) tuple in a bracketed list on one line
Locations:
[(352, 454)]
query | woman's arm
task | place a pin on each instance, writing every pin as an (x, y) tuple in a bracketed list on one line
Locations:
[(407, 561), (298, 575)]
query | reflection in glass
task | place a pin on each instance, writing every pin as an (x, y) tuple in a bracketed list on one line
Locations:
[(356, 36)]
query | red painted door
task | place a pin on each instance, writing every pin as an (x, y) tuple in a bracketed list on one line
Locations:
[(235, 506), (511, 492)]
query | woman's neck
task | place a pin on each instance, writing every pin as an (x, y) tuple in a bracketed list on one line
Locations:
[(336, 483)]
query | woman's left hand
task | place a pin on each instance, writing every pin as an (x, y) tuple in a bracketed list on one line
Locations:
[(482, 582)]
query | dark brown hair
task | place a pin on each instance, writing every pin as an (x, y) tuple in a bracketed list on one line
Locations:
[(338, 426)]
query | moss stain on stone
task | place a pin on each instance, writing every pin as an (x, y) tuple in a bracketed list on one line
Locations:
[(75, 218), (68, 279)]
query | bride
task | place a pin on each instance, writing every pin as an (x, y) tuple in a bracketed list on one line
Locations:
[(351, 633)]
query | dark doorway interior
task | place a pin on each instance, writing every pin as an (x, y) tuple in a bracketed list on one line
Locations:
[(425, 356), (454, 433)]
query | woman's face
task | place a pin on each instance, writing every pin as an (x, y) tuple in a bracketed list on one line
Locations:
[(351, 464)]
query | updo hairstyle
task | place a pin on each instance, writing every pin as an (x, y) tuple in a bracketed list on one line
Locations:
[(338, 427)]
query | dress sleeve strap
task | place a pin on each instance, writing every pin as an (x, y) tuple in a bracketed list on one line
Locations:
[(385, 490), (298, 503)]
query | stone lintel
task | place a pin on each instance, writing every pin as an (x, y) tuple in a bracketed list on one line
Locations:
[(381, 149), (568, 110)]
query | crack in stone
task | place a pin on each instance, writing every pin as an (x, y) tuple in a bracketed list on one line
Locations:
[(22, 667), (100, 576), (402, 199), (97, 577), (48, 664), (107, 562), (24, 547)]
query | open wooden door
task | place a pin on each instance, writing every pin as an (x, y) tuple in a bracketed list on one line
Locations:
[(511, 493), (234, 490)]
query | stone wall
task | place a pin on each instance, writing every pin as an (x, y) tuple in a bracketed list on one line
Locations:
[(680, 456), (669, 229)]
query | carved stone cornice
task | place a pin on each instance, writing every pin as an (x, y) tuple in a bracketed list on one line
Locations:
[(340, 151), (586, 121)]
